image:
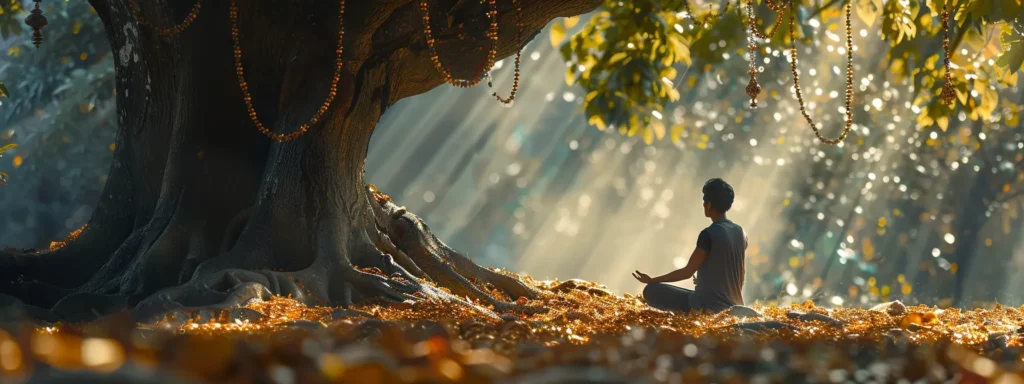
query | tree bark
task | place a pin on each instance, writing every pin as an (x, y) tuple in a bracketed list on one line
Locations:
[(203, 211)]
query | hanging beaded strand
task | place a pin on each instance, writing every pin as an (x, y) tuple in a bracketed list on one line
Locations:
[(778, 8), (707, 19), (753, 88), (492, 53), (239, 70), (37, 21), (686, 8), (725, 8), (519, 54), (753, 26), (849, 79), (948, 96), (167, 32)]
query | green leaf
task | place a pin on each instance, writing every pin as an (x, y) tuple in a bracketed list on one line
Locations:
[(1005, 77), (571, 21), (557, 34), (676, 134), (681, 53), (869, 10), (567, 48), (618, 56), (1013, 54), (659, 129), (597, 121)]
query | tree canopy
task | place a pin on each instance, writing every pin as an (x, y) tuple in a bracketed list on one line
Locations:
[(636, 59)]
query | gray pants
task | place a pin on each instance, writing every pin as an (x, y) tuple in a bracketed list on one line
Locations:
[(667, 297)]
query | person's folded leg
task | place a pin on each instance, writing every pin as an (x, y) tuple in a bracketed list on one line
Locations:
[(667, 297)]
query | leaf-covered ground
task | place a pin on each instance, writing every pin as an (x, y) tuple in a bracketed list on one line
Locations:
[(589, 335)]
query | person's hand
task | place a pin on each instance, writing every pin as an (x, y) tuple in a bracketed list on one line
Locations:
[(643, 278)]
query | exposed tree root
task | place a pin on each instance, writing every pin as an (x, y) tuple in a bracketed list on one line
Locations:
[(328, 281), (414, 266), (446, 266), (66, 265)]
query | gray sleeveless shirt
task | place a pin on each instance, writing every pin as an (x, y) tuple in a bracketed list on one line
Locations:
[(719, 281)]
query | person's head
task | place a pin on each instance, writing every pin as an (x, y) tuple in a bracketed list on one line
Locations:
[(718, 197)]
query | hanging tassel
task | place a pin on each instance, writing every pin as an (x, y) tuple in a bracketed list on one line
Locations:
[(753, 89), (37, 21)]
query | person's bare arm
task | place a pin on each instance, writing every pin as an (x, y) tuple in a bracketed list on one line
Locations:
[(691, 268), (696, 259)]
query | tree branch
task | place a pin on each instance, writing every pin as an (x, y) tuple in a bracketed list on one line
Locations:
[(99, 5), (462, 43)]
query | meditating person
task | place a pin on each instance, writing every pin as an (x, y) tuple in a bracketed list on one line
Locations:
[(718, 262)]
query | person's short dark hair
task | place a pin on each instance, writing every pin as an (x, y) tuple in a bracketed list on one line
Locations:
[(719, 194)]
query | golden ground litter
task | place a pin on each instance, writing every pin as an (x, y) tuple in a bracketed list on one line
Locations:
[(587, 334)]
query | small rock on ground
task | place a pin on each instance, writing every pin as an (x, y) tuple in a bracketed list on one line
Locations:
[(761, 326), (997, 341), (305, 324), (744, 311), (893, 308), (815, 317), (338, 314), (508, 317)]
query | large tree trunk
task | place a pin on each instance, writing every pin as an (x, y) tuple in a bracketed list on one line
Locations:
[(201, 210)]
